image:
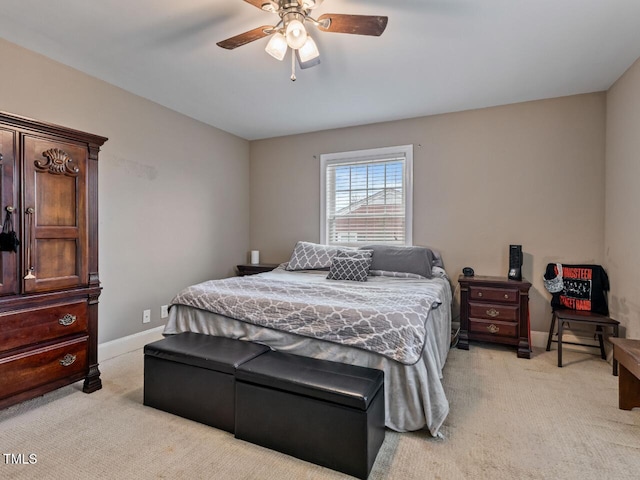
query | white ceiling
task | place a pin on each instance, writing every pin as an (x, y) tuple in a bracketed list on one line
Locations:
[(435, 56)]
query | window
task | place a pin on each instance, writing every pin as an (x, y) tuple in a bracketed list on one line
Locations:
[(366, 196)]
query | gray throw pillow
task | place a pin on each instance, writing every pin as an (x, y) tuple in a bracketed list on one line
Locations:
[(311, 256), (417, 260), (349, 268)]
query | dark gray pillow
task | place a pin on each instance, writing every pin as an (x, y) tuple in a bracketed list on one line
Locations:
[(391, 258), (349, 268), (437, 258)]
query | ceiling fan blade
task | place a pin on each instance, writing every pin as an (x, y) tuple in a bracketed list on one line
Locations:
[(257, 3), (246, 37), (355, 24)]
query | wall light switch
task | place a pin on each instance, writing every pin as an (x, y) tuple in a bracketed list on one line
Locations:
[(164, 311)]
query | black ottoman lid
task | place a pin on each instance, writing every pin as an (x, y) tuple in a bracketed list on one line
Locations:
[(206, 351), (348, 385)]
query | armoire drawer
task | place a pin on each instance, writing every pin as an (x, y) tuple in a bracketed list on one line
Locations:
[(31, 369), (19, 329)]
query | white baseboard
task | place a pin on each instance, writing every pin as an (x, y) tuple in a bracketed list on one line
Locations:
[(539, 339), (128, 344)]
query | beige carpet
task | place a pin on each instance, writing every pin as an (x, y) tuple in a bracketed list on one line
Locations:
[(510, 419)]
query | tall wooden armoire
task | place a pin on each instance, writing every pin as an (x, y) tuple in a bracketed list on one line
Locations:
[(49, 287)]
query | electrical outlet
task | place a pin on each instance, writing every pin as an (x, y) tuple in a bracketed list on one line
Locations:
[(146, 316), (164, 311)]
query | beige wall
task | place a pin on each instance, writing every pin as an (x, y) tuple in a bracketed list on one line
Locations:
[(529, 173), (174, 207), (622, 238)]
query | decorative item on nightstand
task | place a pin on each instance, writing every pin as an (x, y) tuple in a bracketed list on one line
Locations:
[(515, 262), (255, 257)]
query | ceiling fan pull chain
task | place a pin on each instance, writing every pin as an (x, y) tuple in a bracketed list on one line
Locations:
[(293, 65)]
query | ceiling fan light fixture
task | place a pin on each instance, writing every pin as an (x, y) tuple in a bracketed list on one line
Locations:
[(295, 33), (277, 46), (308, 52), (290, 30), (309, 64)]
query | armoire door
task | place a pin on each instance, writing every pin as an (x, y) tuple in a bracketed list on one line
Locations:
[(8, 199), (55, 214)]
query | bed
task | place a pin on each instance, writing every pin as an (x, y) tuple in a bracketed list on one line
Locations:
[(395, 322)]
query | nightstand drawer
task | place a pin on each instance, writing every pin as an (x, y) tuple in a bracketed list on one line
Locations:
[(495, 328), (490, 294), (18, 329), (494, 311)]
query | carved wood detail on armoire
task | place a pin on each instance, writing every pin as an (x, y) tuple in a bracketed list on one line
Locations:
[(49, 284)]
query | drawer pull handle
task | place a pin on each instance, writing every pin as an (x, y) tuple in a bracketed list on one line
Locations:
[(493, 329), (67, 320), (493, 313), (29, 225), (479, 294), (67, 360), (506, 295)]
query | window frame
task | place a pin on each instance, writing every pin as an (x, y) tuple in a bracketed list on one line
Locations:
[(372, 154)]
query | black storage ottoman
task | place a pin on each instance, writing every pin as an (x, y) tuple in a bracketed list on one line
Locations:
[(192, 375), (327, 413)]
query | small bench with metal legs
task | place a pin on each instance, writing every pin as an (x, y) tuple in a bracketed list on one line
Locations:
[(584, 318)]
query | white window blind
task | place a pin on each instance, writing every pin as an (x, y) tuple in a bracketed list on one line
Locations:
[(367, 196)]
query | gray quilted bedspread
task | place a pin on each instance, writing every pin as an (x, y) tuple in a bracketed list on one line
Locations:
[(390, 321)]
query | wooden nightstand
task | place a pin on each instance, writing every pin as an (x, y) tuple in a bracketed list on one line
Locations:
[(252, 269), (495, 309)]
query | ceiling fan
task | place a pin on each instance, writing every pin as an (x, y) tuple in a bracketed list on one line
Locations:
[(290, 31)]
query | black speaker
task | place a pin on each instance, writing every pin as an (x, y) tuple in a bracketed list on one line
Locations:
[(515, 262)]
